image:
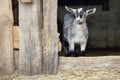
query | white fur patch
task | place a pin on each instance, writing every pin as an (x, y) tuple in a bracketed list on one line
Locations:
[(80, 9), (78, 18)]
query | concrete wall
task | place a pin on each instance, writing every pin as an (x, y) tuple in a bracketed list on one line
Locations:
[(104, 26)]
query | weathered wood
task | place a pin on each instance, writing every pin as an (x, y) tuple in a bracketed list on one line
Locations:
[(35, 57), (6, 47), (50, 37), (16, 59), (89, 63), (25, 1), (16, 37), (30, 20)]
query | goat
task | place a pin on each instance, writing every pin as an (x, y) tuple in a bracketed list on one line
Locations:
[(75, 30)]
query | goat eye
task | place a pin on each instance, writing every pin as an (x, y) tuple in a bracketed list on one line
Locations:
[(81, 16)]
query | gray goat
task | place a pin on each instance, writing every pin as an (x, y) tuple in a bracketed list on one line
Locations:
[(75, 30)]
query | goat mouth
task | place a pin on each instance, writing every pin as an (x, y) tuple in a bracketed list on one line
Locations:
[(80, 23)]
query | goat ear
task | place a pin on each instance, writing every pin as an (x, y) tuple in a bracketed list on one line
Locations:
[(91, 11), (70, 9)]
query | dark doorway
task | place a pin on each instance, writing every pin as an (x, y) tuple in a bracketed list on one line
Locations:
[(15, 8), (105, 7)]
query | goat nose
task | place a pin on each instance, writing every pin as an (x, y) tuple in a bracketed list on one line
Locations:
[(79, 21)]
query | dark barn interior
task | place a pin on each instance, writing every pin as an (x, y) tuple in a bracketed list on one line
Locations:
[(15, 7), (103, 26)]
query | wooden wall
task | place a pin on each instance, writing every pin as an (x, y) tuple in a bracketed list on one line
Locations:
[(38, 37), (30, 56), (50, 37), (6, 45)]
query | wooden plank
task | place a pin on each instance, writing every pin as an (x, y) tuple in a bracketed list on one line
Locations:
[(16, 59), (89, 63), (25, 1), (50, 37), (30, 26), (16, 46), (6, 45), (16, 37)]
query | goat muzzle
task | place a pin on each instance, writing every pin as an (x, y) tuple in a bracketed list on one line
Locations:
[(80, 23)]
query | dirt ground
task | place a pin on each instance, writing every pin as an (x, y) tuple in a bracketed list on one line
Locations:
[(105, 67), (70, 75)]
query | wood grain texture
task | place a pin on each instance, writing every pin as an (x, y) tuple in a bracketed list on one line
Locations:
[(89, 63), (16, 58), (38, 37), (50, 37), (25, 1), (30, 57), (16, 37), (6, 45)]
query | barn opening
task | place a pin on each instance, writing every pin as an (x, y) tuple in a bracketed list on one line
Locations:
[(103, 25)]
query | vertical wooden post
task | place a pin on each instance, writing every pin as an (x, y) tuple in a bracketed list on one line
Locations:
[(6, 47), (30, 20), (50, 37), (25, 1), (38, 37)]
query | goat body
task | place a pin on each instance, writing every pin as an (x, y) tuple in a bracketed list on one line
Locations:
[(75, 31)]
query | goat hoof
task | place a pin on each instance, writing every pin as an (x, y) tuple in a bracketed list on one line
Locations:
[(66, 55), (71, 54), (82, 53)]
